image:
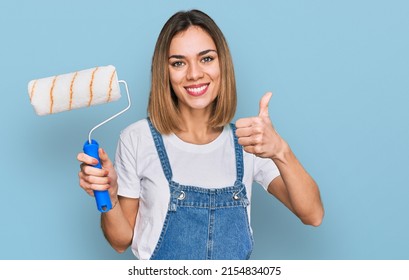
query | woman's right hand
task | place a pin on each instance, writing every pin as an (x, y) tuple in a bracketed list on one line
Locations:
[(92, 178)]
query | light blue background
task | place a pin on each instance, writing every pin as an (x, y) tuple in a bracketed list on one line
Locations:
[(339, 71)]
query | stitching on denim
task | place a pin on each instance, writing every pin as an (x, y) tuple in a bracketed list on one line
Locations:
[(239, 155), (160, 148), (161, 236), (249, 234), (210, 242)]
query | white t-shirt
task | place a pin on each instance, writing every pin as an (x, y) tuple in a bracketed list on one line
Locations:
[(212, 165)]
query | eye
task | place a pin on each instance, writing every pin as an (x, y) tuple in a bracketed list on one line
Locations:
[(207, 59), (177, 64)]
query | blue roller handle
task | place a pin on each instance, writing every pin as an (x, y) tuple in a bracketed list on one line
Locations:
[(102, 197)]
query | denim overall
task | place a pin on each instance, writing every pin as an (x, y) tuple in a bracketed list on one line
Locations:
[(204, 223)]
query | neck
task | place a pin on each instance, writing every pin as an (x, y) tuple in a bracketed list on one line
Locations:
[(196, 130)]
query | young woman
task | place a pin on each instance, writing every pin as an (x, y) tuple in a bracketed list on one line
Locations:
[(182, 179)]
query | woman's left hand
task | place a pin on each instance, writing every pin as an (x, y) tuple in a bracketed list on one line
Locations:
[(257, 134), (294, 187)]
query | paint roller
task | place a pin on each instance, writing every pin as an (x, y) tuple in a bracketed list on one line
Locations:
[(77, 90)]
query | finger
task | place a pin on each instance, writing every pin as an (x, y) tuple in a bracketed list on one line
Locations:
[(93, 171), (103, 157), (96, 180), (253, 130), (90, 188), (252, 140), (87, 190), (244, 122), (249, 149), (85, 185), (244, 132), (91, 183), (245, 141), (83, 157), (264, 104)]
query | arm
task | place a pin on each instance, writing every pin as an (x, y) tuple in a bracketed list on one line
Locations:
[(118, 223), (295, 188)]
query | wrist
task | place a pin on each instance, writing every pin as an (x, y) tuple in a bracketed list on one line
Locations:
[(283, 153)]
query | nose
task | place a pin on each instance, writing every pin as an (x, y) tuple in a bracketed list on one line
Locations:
[(194, 72)]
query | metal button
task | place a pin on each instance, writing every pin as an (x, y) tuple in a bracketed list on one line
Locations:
[(182, 195), (236, 196)]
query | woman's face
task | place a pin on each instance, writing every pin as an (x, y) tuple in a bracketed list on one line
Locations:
[(194, 69)]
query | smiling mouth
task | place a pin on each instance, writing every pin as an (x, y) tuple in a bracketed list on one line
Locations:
[(197, 90)]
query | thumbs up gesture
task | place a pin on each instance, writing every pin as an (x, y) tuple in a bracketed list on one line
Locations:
[(257, 134)]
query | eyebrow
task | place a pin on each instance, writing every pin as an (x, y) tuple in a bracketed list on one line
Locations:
[(178, 56)]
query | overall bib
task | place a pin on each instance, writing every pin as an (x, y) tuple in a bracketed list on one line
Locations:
[(203, 223)]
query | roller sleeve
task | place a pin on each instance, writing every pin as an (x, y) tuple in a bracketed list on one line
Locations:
[(79, 89)]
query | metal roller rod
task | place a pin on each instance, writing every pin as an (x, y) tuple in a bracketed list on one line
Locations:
[(114, 116)]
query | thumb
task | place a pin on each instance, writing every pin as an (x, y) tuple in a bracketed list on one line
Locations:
[(264, 104), (104, 159)]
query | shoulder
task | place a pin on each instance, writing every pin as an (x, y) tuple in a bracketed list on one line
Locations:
[(137, 129), (135, 135)]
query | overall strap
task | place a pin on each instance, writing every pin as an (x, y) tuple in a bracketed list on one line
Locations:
[(160, 148), (241, 188), (239, 155)]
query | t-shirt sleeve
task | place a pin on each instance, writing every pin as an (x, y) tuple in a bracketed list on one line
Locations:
[(265, 171), (125, 166)]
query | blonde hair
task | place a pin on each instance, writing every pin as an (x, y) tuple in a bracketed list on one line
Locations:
[(163, 104)]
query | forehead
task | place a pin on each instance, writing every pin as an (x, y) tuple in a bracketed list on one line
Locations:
[(191, 41)]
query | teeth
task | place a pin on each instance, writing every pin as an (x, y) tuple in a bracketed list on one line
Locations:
[(196, 90)]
